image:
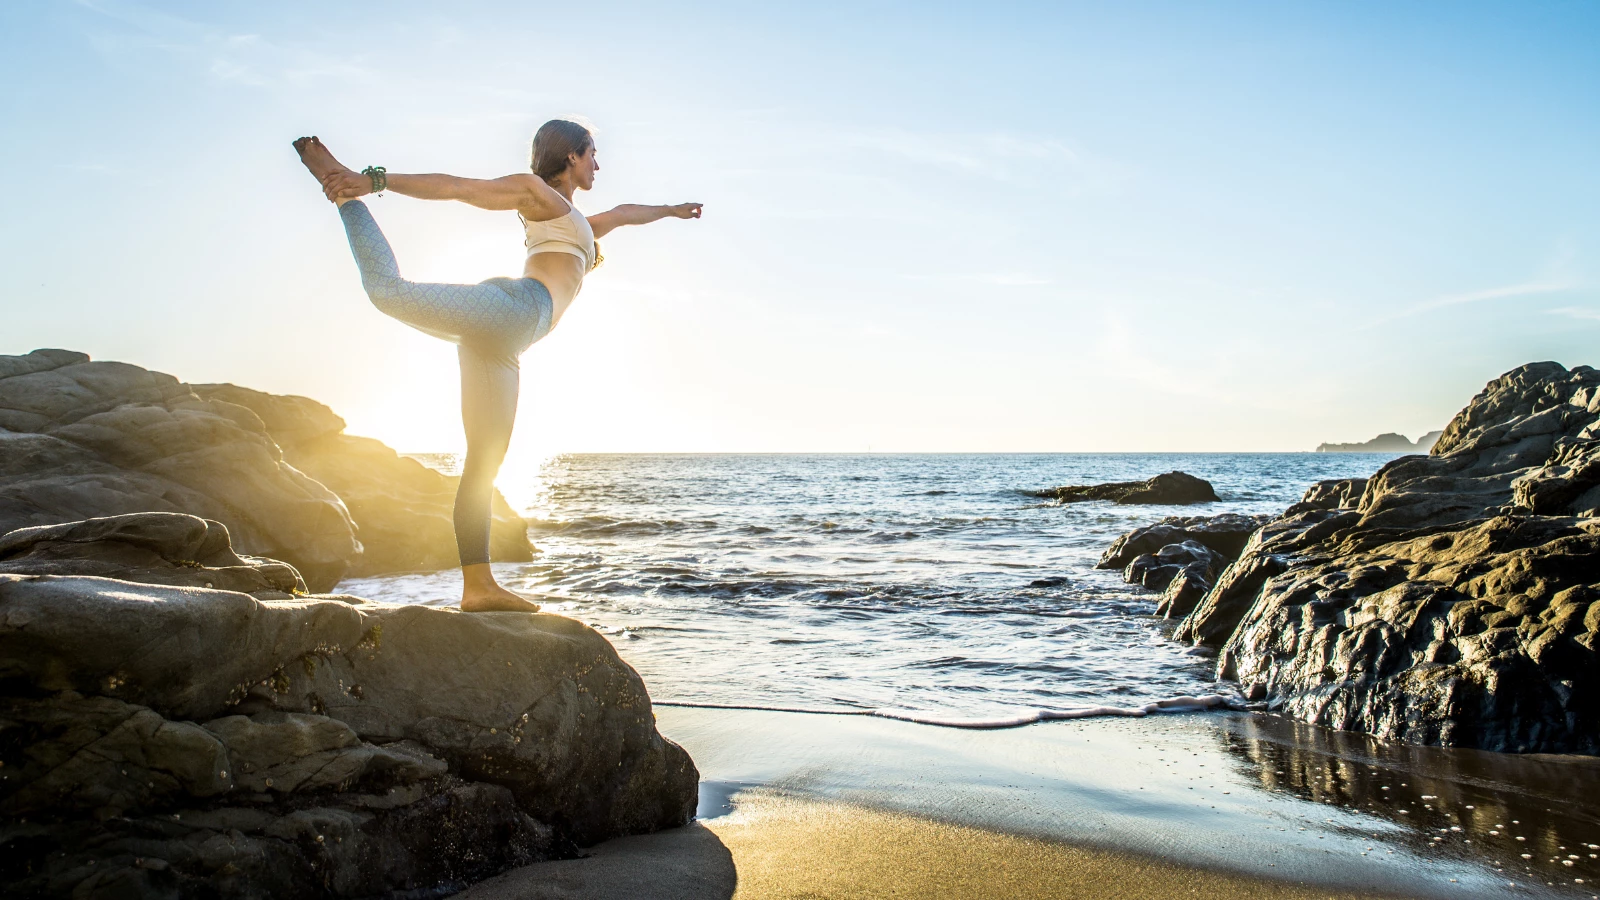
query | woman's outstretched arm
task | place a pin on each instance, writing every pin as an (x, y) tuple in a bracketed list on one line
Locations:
[(525, 193), (634, 214)]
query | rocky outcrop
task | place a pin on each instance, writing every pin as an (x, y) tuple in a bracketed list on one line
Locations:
[(82, 439), (171, 741), (402, 508), (1174, 488), (1454, 599), (1386, 443)]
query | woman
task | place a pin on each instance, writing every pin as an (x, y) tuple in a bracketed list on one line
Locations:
[(492, 322)]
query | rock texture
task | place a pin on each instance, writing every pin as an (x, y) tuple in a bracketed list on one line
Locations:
[(1454, 599), (169, 741), (402, 508), (1176, 488), (82, 439), (1181, 556), (1386, 443)]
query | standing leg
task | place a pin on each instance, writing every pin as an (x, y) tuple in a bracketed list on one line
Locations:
[(489, 382)]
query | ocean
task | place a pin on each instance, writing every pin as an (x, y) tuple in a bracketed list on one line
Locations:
[(929, 587)]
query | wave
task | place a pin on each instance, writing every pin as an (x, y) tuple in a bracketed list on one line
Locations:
[(1181, 704)]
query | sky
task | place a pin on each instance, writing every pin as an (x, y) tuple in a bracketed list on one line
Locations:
[(928, 227)]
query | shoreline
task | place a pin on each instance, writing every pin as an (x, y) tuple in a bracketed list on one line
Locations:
[(1240, 804)]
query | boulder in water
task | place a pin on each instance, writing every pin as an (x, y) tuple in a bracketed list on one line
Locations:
[(1172, 488)]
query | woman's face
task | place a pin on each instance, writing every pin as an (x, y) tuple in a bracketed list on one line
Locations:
[(583, 169)]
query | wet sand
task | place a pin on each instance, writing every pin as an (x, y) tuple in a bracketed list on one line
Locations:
[(1225, 804)]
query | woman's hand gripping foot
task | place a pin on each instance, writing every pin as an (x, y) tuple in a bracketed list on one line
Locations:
[(480, 593), (340, 183)]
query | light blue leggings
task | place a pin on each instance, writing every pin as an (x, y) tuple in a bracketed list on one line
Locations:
[(492, 322)]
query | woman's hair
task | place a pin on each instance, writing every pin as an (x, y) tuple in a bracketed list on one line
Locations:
[(552, 143)]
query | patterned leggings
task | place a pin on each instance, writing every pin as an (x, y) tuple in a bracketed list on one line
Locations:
[(493, 323)]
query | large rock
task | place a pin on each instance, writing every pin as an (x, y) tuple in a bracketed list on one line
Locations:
[(163, 741), (81, 439), (152, 548), (1173, 488), (402, 508), (1455, 600)]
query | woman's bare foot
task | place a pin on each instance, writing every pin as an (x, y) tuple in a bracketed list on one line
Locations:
[(323, 166), (497, 600), (480, 593), (317, 158)]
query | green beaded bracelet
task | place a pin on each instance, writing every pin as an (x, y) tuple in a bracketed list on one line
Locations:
[(379, 176)]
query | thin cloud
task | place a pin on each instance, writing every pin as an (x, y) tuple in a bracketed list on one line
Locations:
[(1526, 289), (1576, 312), (246, 59), (996, 279), (1503, 292)]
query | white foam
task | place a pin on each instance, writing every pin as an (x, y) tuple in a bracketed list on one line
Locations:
[(1024, 717)]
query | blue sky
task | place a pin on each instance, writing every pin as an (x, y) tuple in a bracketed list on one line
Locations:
[(1145, 226)]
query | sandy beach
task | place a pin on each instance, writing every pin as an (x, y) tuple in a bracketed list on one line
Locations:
[(1220, 804)]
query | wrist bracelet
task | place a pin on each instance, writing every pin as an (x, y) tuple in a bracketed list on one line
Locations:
[(379, 176)]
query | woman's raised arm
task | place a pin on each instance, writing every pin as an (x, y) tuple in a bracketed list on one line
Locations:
[(525, 193), (635, 214)]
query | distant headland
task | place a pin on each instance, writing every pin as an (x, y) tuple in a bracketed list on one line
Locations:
[(1386, 443)]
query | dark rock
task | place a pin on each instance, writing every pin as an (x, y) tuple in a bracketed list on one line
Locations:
[(402, 509), (1185, 592), (1455, 602), (1156, 570), (151, 548), (178, 741), (1342, 493), (1226, 534), (1173, 488)]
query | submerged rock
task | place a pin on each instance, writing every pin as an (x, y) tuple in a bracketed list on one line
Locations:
[(171, 741), (1174, 488), (1454, 600), (82, 439)]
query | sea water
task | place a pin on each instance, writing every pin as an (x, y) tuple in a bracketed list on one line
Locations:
[(931, 587)]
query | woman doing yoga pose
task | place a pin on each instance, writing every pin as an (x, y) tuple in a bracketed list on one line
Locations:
[(495, 321)]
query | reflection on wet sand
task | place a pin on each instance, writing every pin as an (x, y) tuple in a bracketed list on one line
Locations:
[(1530, 817)]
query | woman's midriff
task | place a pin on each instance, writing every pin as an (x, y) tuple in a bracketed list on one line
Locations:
[(561, 273)]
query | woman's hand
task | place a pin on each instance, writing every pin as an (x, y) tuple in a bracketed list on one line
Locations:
[(685, 210), (346, 185)]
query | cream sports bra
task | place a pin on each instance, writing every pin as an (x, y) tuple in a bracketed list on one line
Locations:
[(563, 234)]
